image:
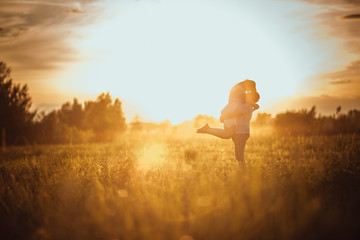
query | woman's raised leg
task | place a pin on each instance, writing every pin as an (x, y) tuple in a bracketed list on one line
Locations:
[(226, 133)]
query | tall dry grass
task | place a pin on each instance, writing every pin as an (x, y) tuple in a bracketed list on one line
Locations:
[(292, 188)]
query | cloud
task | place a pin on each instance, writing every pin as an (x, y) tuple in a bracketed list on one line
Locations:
[(339, 16), (7, 33), (351, 71), (334, 2), (75, 10), (352, 16), (334, 14), (34, 35), (344, 82), (338, 27), (41, 52), (337, 11), (341, 81)]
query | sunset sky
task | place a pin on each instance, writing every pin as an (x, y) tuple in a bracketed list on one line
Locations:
[(175, 59)]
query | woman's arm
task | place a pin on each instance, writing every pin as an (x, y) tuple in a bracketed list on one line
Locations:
[(233, 114), (243, 108), (238, 112)]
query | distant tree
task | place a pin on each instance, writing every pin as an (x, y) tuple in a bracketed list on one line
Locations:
[(15, 102), (57, 127), (50, 130), (101, 120), (338, 110), (263, 119), (296, 122), (136, 124), (104, 117), (72, 114), (354, 120)]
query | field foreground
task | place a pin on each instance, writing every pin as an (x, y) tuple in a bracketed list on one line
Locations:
[(292, 188)]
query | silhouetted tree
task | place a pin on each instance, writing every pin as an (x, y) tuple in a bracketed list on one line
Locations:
[(263, 119), (98, 121), (338, 110), (16, 117), (136, 124), (104, 117), (50, 130), (72, 114), (295, 122), (53, 129)]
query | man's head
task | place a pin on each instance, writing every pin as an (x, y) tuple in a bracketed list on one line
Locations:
[(249, 85)]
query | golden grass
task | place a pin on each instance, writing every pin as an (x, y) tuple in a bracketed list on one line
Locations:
[(292, 188)]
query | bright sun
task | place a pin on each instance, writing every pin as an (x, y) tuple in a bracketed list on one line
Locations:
[(177, 59)]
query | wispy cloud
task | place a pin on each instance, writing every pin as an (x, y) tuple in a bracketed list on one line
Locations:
[(64, 3), (341, 81), (352, 16), (76, 11), (337, 3), (34, 34), (350, 72), (47, 3), (341, 17), (345, 82)]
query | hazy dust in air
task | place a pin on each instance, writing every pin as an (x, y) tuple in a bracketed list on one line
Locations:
[(153, 154)]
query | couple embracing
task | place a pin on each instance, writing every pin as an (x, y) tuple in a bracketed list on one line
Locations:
[(236, 116)]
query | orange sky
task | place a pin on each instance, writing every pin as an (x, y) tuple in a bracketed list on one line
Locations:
[(176, 59)]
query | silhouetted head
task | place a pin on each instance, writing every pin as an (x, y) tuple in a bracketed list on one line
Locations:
[(252, 97), (248, 84)]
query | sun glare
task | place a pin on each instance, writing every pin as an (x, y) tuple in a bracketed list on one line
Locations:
[(151, 156), (176, 59)]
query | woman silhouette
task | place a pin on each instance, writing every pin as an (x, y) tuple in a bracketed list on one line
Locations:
[(236, 117)]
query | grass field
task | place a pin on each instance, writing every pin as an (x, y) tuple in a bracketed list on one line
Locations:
[(292, 188)]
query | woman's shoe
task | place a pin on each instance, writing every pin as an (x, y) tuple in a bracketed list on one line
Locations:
[(203, 129)]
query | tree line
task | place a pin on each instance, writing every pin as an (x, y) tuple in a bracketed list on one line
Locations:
[(102, 120), (309, 122)]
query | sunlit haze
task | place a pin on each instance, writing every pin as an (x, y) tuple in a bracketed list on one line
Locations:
[(177, 59)]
